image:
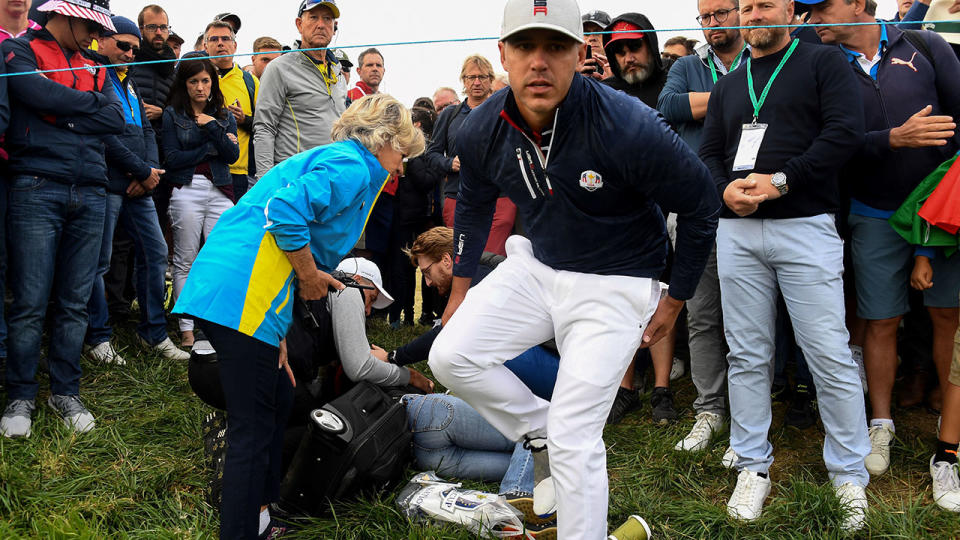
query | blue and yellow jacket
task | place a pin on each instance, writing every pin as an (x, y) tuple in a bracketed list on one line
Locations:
[(322, 198)]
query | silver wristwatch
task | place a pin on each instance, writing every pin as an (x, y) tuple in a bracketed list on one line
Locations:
[(779, 181)]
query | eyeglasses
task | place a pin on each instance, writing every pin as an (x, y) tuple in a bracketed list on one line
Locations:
[(158, 27), (214, 39), (480, 78), (125, 46), (719, 15), (427, 269)]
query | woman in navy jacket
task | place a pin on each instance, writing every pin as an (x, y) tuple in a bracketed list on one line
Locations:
[(199, 139)]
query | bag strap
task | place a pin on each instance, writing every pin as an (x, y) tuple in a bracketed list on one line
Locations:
[(916, 39), (251, 90)]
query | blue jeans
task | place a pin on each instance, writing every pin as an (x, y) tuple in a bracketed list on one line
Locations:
[(803, 257), (451, 438), (537, 367), (55, 232), (139, 218)]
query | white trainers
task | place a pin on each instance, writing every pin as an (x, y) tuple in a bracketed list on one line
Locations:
[(74, 414), (878, 460), (105, 354), (167, 350), (946, 485), (677, 369), (853, 500), (544, 491), (730, 458), (698, 439), (16, 418), (746, 503)]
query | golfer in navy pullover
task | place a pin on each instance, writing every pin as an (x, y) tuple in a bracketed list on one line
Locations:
[(588, 168)]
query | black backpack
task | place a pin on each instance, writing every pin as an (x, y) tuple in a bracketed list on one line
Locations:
[(358, 442)]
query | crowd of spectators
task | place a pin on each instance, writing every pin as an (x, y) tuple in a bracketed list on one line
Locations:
[(114, 177)]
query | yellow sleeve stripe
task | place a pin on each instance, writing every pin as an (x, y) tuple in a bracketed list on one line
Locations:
[(272, 272)]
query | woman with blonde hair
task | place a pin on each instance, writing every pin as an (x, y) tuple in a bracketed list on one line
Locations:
[(281, 239)]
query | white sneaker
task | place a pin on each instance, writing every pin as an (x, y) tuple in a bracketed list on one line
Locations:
[(878, 460), (677, 369), (746, 503), (167, 350), (16, 420), (74, 414), (857, 353), (853, 500), (730, 458), (946, 485), (105, 354), (698, 439)]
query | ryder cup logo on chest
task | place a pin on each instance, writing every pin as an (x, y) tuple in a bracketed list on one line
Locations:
[(591, 181)]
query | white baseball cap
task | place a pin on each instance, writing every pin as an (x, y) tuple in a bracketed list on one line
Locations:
[(558, 15), (368, 269)]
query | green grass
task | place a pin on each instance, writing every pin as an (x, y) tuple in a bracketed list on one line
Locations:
[(140, 473)]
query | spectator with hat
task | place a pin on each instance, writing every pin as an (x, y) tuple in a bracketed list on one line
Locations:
[(346, 65), (230, 18), (56, 202), (303, 93), (133, 173), (594, 22), (176, 43)]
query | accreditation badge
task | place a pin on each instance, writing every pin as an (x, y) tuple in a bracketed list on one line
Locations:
[(751, 137)]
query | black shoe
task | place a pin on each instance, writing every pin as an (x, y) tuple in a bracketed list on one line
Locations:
[(779, 393), (662, 402), (802, 412), (626, 401)]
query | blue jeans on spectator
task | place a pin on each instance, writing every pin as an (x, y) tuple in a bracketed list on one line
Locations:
[(451, 438), (139, 218), (55, 232)]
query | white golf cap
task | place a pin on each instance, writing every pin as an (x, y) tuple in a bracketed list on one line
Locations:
[(368, 269), (558, 15)]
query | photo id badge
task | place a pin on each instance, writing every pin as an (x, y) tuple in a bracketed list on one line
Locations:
[(750, 140)]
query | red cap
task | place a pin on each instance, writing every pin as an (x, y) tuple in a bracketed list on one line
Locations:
[(627, 30)]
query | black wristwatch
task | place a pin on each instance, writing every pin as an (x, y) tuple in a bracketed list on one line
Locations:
[(392, 356)]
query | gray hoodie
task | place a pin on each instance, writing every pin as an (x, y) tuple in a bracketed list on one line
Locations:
[(295, 108)]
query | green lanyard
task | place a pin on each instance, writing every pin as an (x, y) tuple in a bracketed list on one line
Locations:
[(766, 90), (736, 62)]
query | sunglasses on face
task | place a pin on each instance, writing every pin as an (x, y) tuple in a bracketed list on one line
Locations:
[(126, 47)]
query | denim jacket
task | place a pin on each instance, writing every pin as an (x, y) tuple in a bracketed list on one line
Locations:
[(186, 145)]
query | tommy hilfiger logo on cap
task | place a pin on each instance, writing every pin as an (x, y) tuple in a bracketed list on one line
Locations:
[(539, 6)]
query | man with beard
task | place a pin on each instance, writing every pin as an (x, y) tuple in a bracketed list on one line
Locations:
[(154, 79), (777, 133), (634, 56), (303, 93), (683, 102)]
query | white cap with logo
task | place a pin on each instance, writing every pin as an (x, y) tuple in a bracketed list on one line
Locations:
[(368, 269), (558, 15)]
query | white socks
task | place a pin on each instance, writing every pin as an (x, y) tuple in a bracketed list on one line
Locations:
[(264, 520), (883, 422)]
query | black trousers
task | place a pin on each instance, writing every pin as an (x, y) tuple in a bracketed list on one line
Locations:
[(259, 397)]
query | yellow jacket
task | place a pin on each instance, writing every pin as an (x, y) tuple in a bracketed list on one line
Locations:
[(233, 89)]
